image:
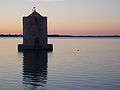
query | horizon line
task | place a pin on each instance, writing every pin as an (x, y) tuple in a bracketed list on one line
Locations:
[(60, 35)]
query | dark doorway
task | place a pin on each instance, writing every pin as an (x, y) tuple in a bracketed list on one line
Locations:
[(36, 41)]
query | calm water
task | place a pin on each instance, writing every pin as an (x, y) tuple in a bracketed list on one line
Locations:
[(75, 64)]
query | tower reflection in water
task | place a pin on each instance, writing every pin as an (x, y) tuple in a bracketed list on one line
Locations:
[(35, 69)]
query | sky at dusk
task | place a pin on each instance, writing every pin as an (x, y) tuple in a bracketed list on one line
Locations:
[(74, 17)]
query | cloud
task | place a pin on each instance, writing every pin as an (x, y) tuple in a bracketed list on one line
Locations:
[(46, 0)]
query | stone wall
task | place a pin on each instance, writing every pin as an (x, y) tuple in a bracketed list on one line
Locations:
[(35, 30)]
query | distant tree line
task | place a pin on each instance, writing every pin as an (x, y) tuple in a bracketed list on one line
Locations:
[(20, 35), (11, 35)]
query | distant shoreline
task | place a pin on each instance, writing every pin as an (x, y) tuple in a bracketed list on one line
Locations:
[(20, 35)]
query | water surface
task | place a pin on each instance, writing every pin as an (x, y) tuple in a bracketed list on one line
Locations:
[(74, 64)]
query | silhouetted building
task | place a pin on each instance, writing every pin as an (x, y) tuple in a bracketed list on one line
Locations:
[(35, 33), (35, 69)]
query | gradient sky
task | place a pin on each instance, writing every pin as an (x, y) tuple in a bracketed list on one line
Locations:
[(75, 17)]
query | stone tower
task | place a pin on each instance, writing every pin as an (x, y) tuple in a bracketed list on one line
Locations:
[(35, 33)]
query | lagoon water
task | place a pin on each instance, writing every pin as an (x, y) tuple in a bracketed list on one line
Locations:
[(74, 64)]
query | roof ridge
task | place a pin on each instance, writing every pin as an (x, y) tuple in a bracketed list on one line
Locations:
[(34, 13)]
